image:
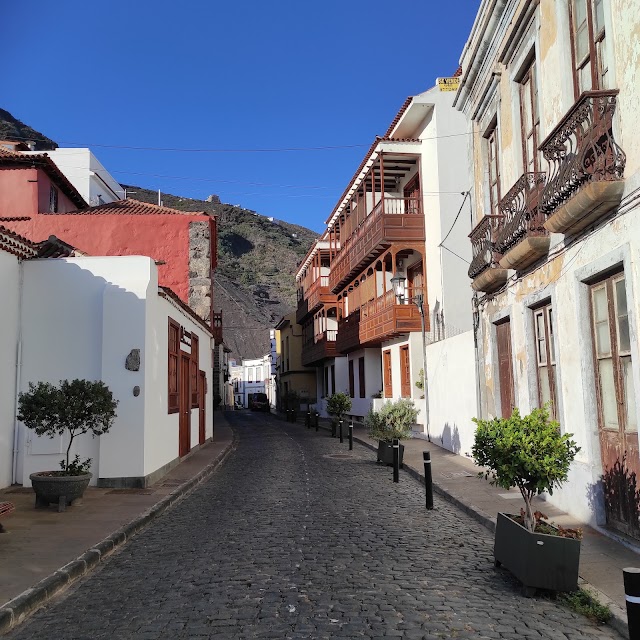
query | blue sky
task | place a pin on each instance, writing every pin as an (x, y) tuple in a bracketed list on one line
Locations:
[(229, 76)]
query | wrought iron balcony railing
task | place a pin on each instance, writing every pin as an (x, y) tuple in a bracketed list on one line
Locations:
[(483, 237), (522, 215), (582, 149)]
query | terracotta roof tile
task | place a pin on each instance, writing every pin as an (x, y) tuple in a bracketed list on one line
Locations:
[(15, 218), (17, 245), (133, 207)]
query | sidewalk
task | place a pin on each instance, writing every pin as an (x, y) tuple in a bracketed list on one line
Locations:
[(455, 479), (44, 551)]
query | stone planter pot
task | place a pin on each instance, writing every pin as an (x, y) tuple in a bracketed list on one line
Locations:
[(538, 560), (60, 490), (385, 452)]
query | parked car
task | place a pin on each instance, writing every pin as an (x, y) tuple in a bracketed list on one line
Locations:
[(259, 402)]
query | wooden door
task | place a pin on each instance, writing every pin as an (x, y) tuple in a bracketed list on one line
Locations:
[(202, 386), (386, 369), (185, 405), (617, 414), (405, 373), (505, 368), (412, 195)]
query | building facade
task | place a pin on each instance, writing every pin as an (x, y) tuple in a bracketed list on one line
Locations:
[(551, 93), (403, 217)]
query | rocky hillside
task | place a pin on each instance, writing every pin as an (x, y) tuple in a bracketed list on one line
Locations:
[(254, 285), (13, 129)]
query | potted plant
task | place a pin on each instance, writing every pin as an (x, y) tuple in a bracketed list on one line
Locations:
[(76, 407), (530, 453), (338, 405), (393, 420)]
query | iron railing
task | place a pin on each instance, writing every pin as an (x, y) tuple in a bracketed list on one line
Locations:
[(483, 248)]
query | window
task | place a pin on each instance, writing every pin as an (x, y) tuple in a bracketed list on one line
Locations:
[(589, 45), (545, 358), (250, 374), (505, 368), (612, 352), (352, 384), (333, 378), (194, 368), (494, 168), (326, 382), (386, 371), (53, 200), (361, 376), (405, 373), (530, 119), (258, 374), (174, 353)]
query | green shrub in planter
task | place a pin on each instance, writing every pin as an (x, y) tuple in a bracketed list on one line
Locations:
[(393, 420), (528, 452), (76, 406), (337, 405)]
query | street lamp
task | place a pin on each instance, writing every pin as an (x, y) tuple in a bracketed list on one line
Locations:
[(397, 282)]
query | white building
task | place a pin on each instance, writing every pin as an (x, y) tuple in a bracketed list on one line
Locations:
[(86, 174), (101, 318), (252, 376)]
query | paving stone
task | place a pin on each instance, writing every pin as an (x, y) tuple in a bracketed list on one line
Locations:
[(283, 541)]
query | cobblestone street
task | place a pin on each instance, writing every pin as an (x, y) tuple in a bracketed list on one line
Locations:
[(296, 537)]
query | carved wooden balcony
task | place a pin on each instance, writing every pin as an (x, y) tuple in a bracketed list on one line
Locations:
[(323, 346), (317, 295), (383, 318), (521, 238), (485, 269), (216, 328), (302, 311), (393, 220), (586, 165), (348, 338)]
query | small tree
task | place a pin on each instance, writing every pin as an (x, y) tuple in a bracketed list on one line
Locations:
[(527, 452), (337, 405), (393, 420), (79, 406)]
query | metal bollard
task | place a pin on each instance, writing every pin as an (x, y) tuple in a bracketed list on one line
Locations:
[(351, 436), (307, 420), (631, 577), (317, 415), (428, 480), (341, 436), (396, 460)]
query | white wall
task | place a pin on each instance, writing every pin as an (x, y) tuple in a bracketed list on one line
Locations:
[(452, 385), (9, 336)]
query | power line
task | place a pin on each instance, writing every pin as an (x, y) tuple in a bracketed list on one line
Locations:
[(466, 195)]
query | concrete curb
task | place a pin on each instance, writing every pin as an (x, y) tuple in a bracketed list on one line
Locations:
[(19, 608), (618, 620)]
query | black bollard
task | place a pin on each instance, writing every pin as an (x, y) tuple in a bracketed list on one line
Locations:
[(317, 415), (351, 436), (631, 577), (396, 460), (341, 436), (307, 420), (428, 480)]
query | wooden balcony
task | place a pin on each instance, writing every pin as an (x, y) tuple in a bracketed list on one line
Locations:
[(586, 165), (485, 270), (322, 347), (302, 311), (383, 318), (521, 238), (392, 220), (217, 327), (317, 295), (348, 333)]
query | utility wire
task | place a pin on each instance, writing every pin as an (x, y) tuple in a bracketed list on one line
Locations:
[(466, 195)]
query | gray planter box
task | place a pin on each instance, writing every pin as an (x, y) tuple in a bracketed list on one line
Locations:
[(60, 490), (538, 560), (385, 452)]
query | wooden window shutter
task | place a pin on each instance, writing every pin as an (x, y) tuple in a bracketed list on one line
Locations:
[(173, 351), (194, 364), (361, 376), (352, 390), (405, 372)]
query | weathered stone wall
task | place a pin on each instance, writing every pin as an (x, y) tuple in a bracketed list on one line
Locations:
[(200, 281)]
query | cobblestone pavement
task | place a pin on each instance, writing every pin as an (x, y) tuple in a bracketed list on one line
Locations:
[(296, 537)]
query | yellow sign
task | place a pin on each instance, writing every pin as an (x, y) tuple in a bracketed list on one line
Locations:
[(448, 84)]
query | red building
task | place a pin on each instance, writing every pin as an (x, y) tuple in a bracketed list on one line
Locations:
[(36, 200)]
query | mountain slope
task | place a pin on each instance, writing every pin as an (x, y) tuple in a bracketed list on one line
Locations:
[(13, 129), (254, 284)]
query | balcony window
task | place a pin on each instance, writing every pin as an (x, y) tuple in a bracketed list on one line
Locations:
[(530, 119), (494, 168), (589, 45)]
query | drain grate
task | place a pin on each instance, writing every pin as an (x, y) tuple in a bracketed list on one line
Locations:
[(131, 492)]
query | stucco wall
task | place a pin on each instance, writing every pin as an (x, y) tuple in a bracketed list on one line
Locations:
[(9, 336)]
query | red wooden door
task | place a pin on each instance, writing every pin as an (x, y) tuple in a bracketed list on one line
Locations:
[(505, 368), (386, 368), (405, 372), (202, 381), (185, 406)]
